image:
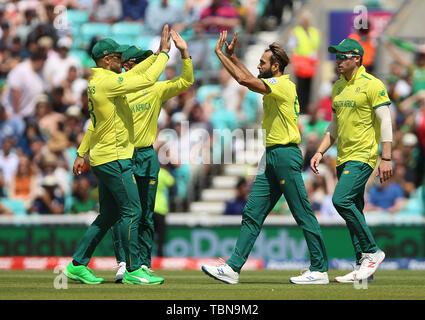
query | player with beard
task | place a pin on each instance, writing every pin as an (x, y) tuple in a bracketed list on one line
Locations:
[(279, 171)]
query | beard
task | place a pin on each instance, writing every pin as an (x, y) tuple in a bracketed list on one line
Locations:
[(266, 74)]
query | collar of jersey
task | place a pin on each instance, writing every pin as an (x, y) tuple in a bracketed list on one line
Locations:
[(358, 73), (101, 70)]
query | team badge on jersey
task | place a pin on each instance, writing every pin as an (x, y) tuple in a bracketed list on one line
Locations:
[(272, 80)]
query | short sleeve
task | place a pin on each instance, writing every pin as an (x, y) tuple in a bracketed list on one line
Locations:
[(275, 88), (378, 95)]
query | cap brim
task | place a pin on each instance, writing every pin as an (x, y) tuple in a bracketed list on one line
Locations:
[(143, 56), (147, 53), (335, 49), (121, 48)]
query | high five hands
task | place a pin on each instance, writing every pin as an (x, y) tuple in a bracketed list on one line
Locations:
[(230, 48)]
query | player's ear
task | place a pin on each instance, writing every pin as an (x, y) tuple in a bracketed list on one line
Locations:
[(275, 67)]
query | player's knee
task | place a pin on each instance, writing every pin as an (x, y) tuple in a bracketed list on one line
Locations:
[(340, 203)]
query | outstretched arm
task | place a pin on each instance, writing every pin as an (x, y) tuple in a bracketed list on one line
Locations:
[(247, 80), (174, 87)]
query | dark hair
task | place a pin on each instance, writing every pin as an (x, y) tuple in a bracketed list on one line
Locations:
[(241, 182), (38, 55), (278, 55)]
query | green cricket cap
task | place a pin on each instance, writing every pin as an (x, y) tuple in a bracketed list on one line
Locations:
[(136, 53), (347, 45), (107, 46)]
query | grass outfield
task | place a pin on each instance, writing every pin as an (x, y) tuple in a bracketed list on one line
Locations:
[(195, 285)]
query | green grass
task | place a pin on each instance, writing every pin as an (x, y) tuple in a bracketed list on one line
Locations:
[(195, 285)]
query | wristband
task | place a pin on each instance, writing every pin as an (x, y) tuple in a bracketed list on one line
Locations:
[(165, 53), (320, 153), (386, 159)]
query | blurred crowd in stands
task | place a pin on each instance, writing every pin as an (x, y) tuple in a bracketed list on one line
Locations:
[(44, 69)]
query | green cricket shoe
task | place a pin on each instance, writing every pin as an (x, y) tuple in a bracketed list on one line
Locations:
[(81, 273), (152, 276), (140, 276)]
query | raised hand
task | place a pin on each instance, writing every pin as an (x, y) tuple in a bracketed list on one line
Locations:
[(230, 48), (220, 43), (165, 43), (180, 43)]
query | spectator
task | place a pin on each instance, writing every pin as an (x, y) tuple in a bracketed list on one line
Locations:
[(47, 119), (25, 84), (134, 10), (159, 14), (388, 196), (106, 11), (6, 35), (416, 69), (165, 181), (51, 199), (12, 126), (364, 37), (73, 86), (56, 69), (45, 26), (8, 160), (325, 101), (24, 184), (315, 122), (311, 144), (236, 205), (17, 51), (73, 124), (83, 199), (274, 12), (398, 84), (220, 16), (31, 135), (58, 100), (248, 12), (304, 45), (29, 23), (198, 46), (50, 166)]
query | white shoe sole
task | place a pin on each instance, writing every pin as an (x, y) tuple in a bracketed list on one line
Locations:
[(343, 281), (309, 282), (221, 278)]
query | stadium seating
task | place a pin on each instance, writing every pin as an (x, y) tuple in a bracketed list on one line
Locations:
[(91, 30), (16, 206)]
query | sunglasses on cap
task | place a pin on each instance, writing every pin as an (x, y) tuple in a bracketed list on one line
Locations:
[(345, 56)]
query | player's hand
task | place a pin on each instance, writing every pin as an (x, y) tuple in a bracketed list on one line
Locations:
[(77, 168), (165, 43), (314, 162), (230, 48), (220, 43), (180, 43), (385, 170)]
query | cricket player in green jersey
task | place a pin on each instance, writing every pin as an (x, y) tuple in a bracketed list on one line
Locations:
[(145, 106), (111, 152), (360, 119), (282, 164)]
